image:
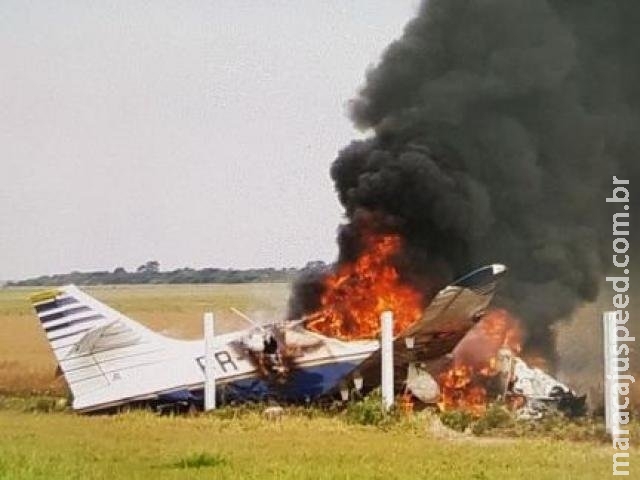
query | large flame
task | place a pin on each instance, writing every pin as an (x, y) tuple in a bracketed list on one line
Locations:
[(357, 293), (477, 364)]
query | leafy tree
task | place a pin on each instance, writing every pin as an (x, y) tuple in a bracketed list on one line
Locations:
[(152, 266)]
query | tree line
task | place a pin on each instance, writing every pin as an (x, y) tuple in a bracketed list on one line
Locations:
[(150, 273)]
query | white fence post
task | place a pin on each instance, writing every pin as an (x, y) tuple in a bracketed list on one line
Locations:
[(386, 346), (209, 374), (611, 408)]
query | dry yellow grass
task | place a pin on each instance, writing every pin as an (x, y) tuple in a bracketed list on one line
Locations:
[(28, 366)]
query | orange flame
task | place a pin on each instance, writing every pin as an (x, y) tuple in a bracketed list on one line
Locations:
[(357, 293), (476, 362)]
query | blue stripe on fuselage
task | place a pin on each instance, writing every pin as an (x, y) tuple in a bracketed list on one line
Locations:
[(304, 382)]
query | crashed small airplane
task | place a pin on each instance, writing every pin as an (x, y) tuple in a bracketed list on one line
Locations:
[(109, 360)]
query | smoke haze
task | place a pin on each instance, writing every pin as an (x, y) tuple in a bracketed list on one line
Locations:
[(497, 126)]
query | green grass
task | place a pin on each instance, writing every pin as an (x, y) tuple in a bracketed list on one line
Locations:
[(140, 445), (200, 460), (39, 439)]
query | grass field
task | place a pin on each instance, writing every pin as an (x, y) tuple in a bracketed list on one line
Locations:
[(142, 445)]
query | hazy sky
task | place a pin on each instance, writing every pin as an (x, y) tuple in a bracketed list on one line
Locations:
[(196, 133)]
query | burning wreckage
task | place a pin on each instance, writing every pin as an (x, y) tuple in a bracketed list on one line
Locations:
[(465, 161), (458, 352)]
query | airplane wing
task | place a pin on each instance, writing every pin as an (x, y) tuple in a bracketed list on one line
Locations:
[(450, 315), (447, 319)]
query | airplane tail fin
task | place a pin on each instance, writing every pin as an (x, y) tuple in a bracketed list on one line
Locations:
[(95, 345)]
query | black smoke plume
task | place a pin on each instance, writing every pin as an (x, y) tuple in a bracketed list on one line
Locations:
[(497, 127)]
